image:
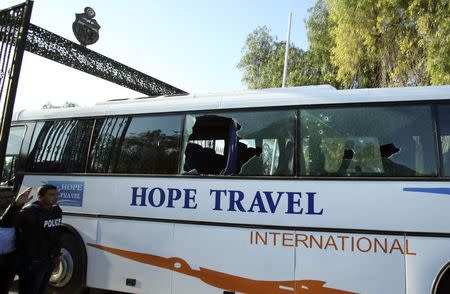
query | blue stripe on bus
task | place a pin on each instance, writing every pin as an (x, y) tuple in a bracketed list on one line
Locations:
[(445, 191)]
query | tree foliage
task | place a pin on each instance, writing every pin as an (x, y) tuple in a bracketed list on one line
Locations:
[(356, 44), (264, 68), (433, 26), (321, 44)]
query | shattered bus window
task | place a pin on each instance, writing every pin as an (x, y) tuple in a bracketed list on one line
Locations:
[(257, 143), (444, 131), (369, 141)]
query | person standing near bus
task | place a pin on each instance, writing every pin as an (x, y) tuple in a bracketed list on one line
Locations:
[(39, 241), (7, 240)]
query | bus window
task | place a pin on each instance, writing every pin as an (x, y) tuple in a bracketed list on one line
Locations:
[(444, 125), (371, 141), (257, 143), (12, 154), (136, 145), (60, 146)]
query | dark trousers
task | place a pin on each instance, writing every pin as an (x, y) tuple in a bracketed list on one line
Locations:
[(34, 275), (7, 271)]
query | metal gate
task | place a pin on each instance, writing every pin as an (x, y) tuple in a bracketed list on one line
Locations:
[(17, 34), (14, 23)]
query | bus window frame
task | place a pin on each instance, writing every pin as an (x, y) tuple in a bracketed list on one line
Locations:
[(434, 119), (438, 137), (132, 116), (296, 176), (218, 112), (20, 156), (438, 143), (31, 136)]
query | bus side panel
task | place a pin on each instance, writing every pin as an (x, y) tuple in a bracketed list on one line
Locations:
[(134, 240), (354, 205), (86, 227), (351, 263), (223, 258), (422, 269)]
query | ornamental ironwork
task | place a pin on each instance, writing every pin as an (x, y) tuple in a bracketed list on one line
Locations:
[(14, 22), (10, 23), (59, 49), (18, 35), (49, 45)]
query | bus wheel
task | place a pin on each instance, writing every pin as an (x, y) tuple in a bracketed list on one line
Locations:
[(443, 283), (68, 276)]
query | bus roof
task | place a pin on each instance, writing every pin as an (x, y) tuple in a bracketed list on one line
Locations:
[(305, 95)]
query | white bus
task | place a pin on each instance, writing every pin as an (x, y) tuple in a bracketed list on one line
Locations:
[(298, 190)]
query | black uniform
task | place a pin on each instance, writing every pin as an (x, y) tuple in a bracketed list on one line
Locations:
[(8, 260), (38, 244), (9, 216)]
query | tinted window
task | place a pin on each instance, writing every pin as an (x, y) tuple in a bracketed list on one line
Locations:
[(369, 141), (257, 143), (139, 145), (444, 125), (12, 154), (60, 146)]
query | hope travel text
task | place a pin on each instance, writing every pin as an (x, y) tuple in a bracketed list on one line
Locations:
[(229, 200)]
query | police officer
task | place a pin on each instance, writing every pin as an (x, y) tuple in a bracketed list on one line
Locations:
[(38, 241), (7, 240)]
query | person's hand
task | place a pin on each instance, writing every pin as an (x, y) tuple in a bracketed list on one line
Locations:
[(23, 198)]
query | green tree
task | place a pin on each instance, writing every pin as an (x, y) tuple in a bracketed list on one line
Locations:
[(259, 45), (321, 43), (432, 19), (358, 44), (299, 70), (376, 44), (264, 68)]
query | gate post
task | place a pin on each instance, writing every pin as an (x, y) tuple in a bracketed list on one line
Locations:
[(13, 75)]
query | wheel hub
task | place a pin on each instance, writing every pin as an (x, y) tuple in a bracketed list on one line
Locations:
[(62, 274)]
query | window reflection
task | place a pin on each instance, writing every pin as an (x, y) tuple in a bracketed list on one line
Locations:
[(371, 141), (139, 145), (60, 146), (444, 125), (12, 154)]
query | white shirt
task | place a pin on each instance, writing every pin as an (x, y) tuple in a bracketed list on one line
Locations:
[(7, 240)]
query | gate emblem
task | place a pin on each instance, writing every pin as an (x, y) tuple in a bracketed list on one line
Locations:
[(85, 27)]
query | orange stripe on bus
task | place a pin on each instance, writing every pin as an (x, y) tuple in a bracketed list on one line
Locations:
[(226, 281)]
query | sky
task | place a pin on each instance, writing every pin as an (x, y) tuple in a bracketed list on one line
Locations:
[(193, 45)]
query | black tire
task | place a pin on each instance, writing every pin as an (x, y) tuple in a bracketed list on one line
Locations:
[(444, 283), (66, 282)]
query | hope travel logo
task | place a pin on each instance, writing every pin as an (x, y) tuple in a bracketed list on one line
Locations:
[(291, 202), (70, 192)]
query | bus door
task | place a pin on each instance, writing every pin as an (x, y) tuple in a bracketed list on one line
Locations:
[(12, 173)]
